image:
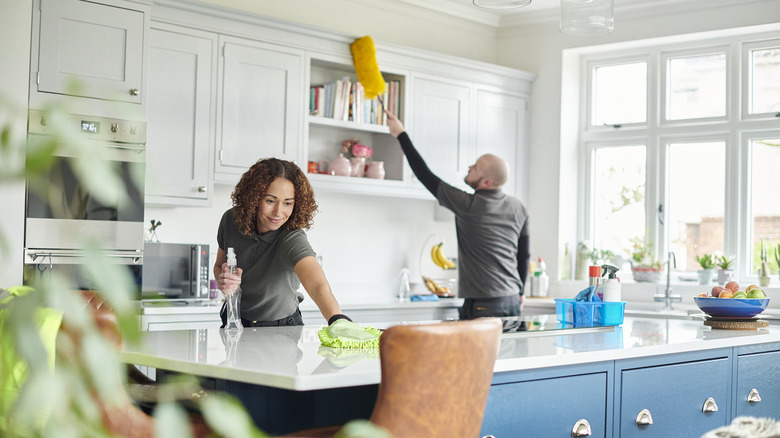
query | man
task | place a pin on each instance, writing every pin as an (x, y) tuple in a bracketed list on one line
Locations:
[(492, 230)]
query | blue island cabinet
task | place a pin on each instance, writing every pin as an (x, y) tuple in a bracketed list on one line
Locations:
[(555, 402), (680, 395), (757, 383)]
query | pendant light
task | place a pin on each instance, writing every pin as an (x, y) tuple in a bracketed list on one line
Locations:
[(587, 17), (501, 4)]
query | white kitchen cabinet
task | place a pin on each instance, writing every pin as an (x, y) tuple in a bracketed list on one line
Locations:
[(88, 52), (440, 127), (182, 78), (261, 105), (500, 130)]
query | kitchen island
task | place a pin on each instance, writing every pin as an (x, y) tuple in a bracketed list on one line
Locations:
[(598, 375)]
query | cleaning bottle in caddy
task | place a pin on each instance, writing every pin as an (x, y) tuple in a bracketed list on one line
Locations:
[(594, 279), (233, 299), (611, 288)]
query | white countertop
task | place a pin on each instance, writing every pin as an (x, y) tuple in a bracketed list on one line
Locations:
[(292, 358)]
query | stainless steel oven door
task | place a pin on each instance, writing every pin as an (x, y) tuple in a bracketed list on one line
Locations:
[(61, 212)]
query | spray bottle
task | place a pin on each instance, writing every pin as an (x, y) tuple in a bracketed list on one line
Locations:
[(233, 299), (611, 286)]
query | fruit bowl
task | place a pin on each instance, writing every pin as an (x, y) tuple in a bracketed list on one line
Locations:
[(731, 307)]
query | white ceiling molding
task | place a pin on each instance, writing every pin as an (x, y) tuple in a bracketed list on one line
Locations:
[(540, 13)]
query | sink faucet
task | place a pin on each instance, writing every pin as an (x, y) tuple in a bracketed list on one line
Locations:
[(668, 297)]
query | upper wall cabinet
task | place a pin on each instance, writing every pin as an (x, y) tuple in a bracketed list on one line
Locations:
[(500, 130), (261, 111), (441, 126), (89, 54), (182, 76)]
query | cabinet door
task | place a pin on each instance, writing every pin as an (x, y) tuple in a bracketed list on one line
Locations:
[(674, 396), (179, 135), (758, 385), (547, 407), (91, 50), (262, 106), (501, 131), (440, 129)]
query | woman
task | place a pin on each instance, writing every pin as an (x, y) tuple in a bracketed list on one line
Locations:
[(273, 204)]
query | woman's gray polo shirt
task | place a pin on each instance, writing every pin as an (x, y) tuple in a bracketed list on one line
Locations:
[(269, 284)]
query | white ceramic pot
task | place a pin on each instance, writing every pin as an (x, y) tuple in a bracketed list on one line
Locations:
[(724, 276), (705, 275)]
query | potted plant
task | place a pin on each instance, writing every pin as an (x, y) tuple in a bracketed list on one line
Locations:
[(644, 267), (763, 272), (707, 271), (725, 273)]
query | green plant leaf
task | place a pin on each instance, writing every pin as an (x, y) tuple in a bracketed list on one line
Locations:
[(171, 421), (227, 417)]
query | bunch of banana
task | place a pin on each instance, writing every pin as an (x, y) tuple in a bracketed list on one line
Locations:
[(437, 254), (435, 287)]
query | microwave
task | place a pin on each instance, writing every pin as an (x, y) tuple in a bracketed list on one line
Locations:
[(175, 271)]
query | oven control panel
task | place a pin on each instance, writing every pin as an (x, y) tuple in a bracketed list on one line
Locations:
[(87, 127)]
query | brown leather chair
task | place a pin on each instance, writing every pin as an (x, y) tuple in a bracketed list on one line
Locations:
[(435, 379), (123, 419)]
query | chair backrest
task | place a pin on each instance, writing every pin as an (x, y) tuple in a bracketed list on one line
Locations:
[(436, 377)]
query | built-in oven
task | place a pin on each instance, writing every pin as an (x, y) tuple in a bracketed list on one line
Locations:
[(63, 215)]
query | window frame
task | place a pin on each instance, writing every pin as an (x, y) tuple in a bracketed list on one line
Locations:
[(746, 72), (736, 128), (664, 107)]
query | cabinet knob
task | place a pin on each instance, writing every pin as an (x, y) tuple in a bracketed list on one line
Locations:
[(581, 428), (44, 121), (115, 127), (710, 405), (201, 189), (644, 418), (753, 396), (134, 92)]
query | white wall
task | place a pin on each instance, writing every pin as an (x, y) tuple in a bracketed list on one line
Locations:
[(15, 19), (552, 200), (386, 21)]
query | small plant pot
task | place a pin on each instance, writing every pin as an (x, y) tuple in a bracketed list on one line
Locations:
[(643, 274), (764, 280), (706, 275), (724, 276)]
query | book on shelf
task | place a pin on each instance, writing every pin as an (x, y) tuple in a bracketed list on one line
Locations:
[(345, 100)]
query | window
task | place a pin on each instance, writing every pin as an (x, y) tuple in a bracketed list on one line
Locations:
[(682, 167), (620, 94), (763, 78), (696, 87), (764, 205), (619, 196), (695, 200)]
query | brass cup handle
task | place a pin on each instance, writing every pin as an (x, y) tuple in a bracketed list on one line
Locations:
[(710, 405), (753, 396), (201, 189), (581, 428), (644, 418)]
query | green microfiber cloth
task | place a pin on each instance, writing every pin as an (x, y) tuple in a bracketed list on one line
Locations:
[(346, 334)]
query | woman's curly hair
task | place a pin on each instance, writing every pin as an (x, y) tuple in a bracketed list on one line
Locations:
[(253, 185)]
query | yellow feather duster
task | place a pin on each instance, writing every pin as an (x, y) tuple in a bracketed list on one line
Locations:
[(366, 67)]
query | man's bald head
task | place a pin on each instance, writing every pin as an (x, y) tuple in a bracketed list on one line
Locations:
[(494, 168)]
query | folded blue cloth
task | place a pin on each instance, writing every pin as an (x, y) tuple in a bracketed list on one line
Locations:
[(588, 294), (428, 297)]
